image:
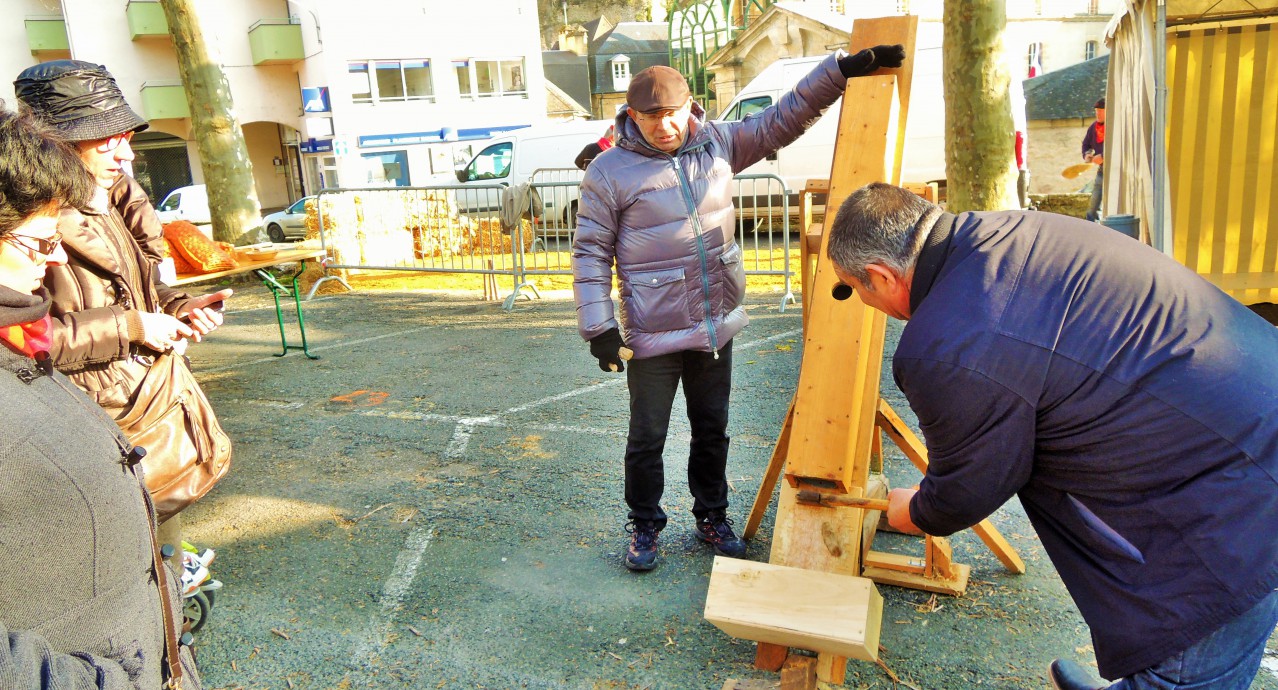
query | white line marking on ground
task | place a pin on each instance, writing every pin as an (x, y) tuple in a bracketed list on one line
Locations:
[(493, 421), (461, 436), (1269, 662), (393, 592)]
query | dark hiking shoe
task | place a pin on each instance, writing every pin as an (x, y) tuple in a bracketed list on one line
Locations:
[(1067, 675), (716, 530), (642, 554)]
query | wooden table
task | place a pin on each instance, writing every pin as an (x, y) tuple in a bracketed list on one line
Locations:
[(258, 268)]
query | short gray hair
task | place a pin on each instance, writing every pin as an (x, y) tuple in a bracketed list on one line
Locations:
[(880, 224)]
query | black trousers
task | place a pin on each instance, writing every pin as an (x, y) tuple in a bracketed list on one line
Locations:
[(707, 385)]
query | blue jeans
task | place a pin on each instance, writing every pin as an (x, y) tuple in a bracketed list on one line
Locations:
[(1098, 186), (1225, 660), (707, 384)]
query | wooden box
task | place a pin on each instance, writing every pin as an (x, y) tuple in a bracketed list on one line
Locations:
[(794, 607)]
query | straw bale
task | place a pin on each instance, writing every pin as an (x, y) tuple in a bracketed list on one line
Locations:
[(401, 227)]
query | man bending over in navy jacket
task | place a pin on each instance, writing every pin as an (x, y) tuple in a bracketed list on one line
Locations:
[(1131, 405)]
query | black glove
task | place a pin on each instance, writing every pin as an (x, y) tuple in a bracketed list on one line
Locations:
[(606, 347), (871, 59)]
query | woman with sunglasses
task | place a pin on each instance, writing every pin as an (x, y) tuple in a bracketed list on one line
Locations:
[(82, 601)]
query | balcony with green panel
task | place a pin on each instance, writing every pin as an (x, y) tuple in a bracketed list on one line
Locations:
[(276, 41), (163, 100), (47, 36), (146, 20)]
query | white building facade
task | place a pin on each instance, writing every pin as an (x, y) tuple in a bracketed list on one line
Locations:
[(327, 92)]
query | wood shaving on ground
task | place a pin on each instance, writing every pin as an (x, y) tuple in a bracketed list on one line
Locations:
[(892, 675)]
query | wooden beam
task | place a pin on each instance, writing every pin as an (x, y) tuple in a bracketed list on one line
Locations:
[(841, 333), (913, 448), (794, 607), (814, 537), (954, 586), (770, 476)]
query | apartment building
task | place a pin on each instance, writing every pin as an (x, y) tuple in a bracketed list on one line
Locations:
[(327, 92)]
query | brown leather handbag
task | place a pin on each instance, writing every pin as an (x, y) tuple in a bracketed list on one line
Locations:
[(187, 451)]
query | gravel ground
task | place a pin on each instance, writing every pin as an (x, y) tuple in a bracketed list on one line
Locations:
[(437, 503)]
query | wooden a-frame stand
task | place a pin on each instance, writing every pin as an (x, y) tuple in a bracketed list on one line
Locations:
[(830, 440)]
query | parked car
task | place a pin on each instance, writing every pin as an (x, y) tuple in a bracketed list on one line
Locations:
[(189, 203), (289, 224)]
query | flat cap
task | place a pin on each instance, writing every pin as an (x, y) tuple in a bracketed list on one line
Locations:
[(657, 88)]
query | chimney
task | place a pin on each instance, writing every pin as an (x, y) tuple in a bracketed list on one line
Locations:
[(573, 38)]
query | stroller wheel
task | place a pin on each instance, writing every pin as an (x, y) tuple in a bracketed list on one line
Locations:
[(195, 611)]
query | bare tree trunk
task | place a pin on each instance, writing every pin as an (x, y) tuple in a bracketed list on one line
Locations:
[(980, 138), (228, 173)]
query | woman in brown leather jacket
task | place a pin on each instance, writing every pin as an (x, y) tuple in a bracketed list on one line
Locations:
[(110, 310), (111, 314)]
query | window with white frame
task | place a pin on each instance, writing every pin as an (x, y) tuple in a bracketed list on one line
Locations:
[(373, 81), (620, 67), (1089, 50), (361, 90), (488, 77)]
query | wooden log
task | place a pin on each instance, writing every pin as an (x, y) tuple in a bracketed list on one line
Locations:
[(831, 668), (823, 612), (799, 673), (770, 657)]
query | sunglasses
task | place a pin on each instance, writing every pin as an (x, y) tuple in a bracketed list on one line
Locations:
[(114, 142), (43, 245)]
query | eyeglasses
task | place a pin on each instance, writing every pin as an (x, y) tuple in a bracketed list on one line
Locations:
[(663, 114), (43, 245), (114, 142)]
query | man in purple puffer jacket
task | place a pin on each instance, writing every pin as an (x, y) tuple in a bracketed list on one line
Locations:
[(659, 205)]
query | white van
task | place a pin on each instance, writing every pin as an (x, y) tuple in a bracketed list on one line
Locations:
[(190, 204), (512, 158), (811, 156)]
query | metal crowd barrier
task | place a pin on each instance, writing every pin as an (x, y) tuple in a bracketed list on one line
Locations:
[(459, 229), (441, 229)]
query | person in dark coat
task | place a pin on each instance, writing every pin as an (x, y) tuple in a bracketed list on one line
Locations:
[(1094, 152), (82, 594), (659, 208), (1128, 403), (593, 149)]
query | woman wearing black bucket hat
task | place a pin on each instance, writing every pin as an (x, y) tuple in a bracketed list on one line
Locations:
[(111, 314)]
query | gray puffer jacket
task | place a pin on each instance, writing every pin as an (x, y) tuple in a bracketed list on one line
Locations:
[(669, 224)]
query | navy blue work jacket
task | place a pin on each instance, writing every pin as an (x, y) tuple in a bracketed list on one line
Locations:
[(1131, 405)]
